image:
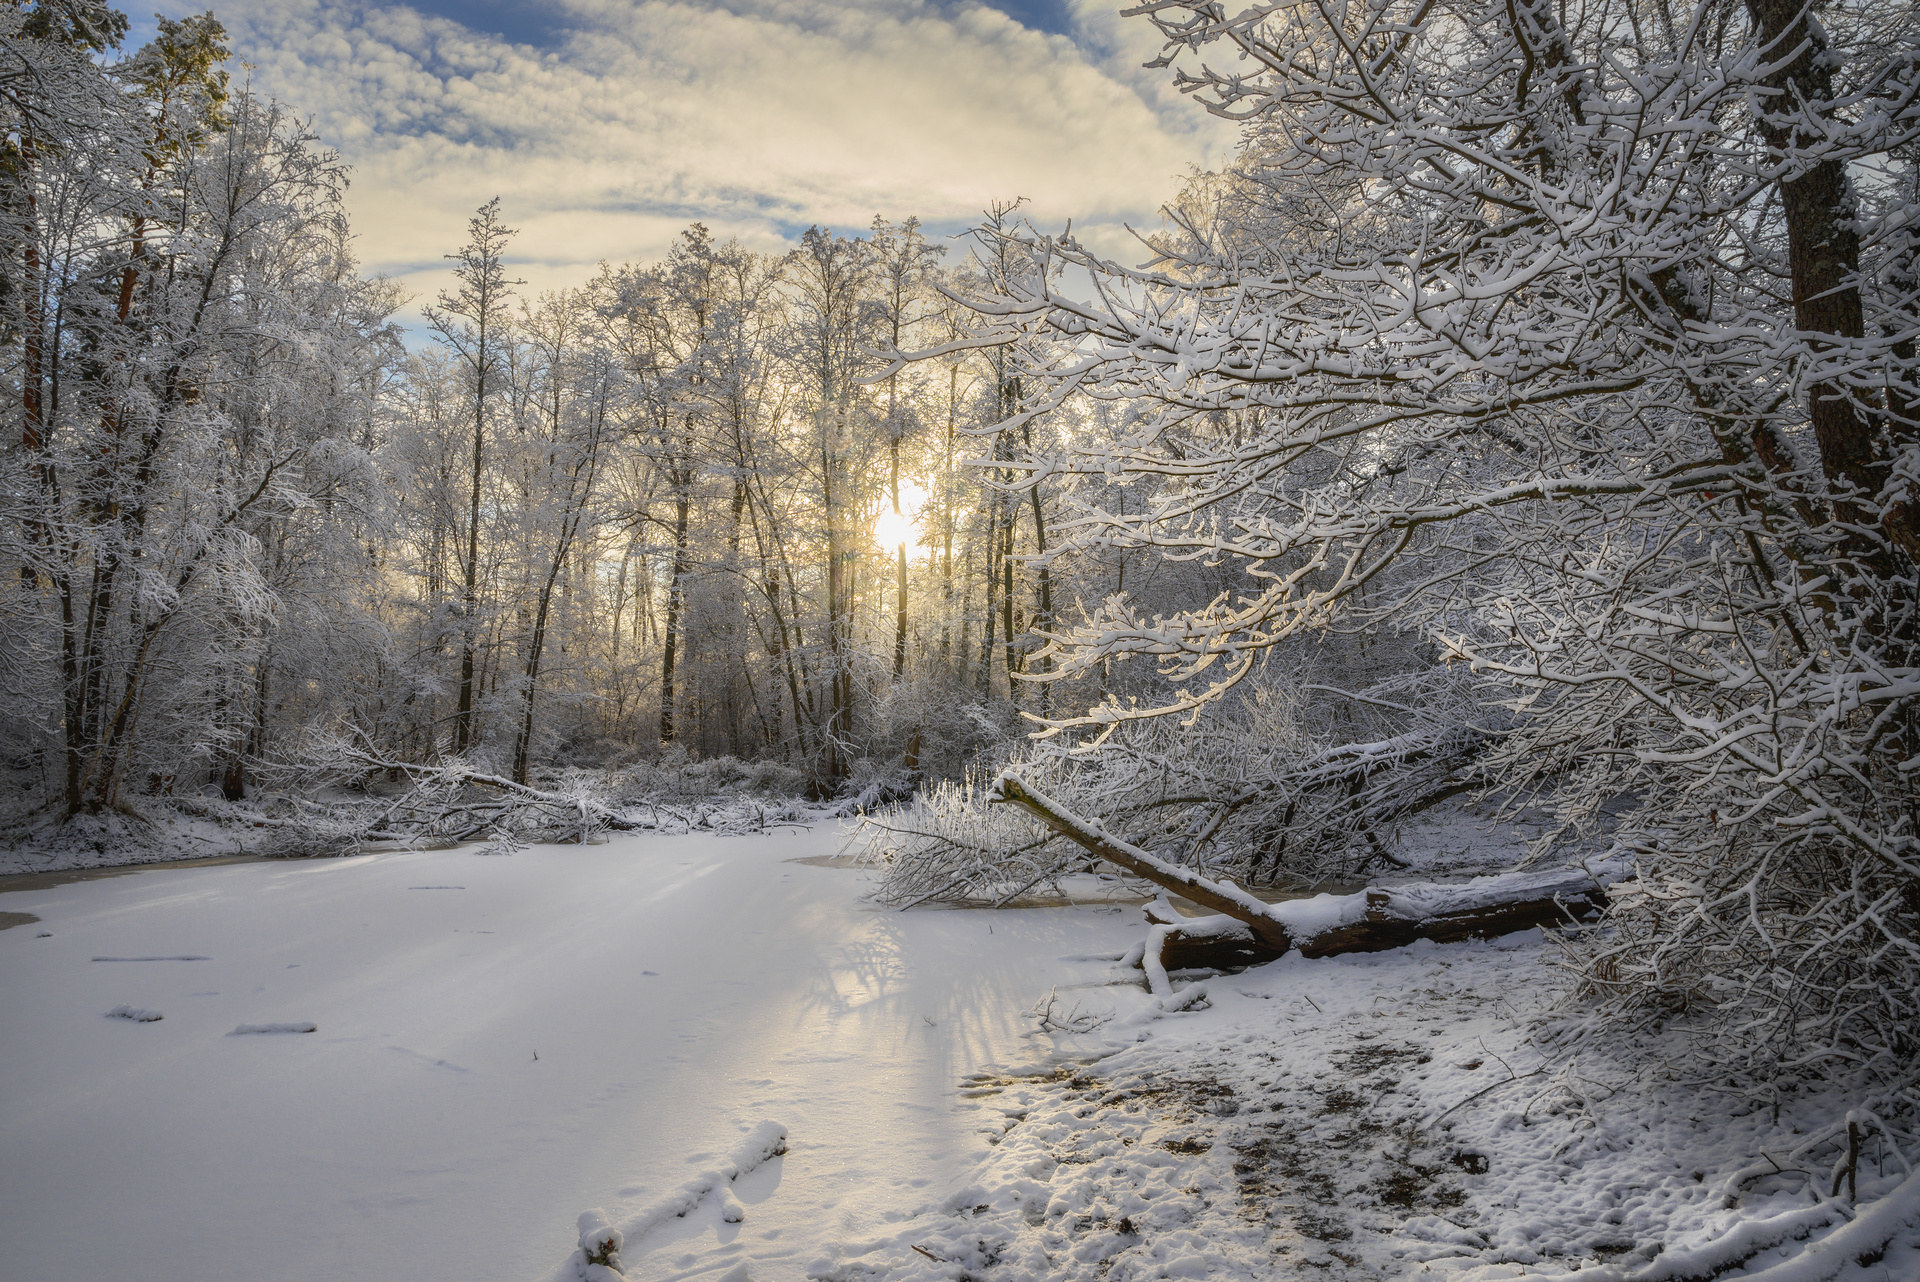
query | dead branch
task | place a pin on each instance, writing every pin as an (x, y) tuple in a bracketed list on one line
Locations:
[(1367, 921)]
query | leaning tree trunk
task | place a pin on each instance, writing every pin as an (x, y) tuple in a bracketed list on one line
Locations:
[(1367, 921)]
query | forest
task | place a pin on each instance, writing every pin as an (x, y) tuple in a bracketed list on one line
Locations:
[(1525, 422), (683, 504)]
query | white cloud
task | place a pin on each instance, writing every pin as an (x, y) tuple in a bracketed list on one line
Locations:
[(635, 117)]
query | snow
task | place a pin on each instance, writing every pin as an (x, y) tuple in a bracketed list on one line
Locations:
[(764, 1143), (1420, 901), (138, 1014), (1305, 918), (697, 1058), (1374, 1116), (1827, 1258), (417, 1134)]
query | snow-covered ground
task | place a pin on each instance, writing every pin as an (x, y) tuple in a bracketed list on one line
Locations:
[(500, 1043), (1382, 1116)]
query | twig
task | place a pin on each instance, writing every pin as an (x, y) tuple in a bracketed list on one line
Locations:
[(1496, 1086)]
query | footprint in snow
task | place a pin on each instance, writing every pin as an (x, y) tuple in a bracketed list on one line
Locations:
[(173, 957), (138, 1014), (297, 1026)]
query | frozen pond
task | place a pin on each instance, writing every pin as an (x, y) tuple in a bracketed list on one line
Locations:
[(500, 1043)]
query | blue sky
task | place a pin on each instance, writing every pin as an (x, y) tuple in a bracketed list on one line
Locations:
[(607, 125)]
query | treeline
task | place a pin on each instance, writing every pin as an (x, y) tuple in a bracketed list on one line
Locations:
[(686, 505)]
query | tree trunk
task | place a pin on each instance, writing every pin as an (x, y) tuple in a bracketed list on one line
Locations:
[(669, 648), (986, 643), (1823, 255), (523, 742), (839, 674), (470, 586), (1042, 577), (1367, 921)]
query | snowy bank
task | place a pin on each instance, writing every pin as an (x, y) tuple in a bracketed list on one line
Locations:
[(1383, 1116)]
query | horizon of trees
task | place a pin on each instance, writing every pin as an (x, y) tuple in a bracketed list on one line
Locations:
[(684, 505)]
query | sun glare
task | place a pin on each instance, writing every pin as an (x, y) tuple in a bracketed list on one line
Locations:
[(891, 529)]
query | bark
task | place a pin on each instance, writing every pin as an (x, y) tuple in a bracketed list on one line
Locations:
[(893, 486), (1043, 576), (469, 588), (536, 647), (676, 601), (839, 594), (1010, 651), (1823, 254), (946, 523), (986, 643)]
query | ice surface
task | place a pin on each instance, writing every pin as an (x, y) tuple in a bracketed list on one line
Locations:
[(361, 1151)]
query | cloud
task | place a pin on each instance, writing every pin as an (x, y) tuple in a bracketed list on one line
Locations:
[(608, 125)]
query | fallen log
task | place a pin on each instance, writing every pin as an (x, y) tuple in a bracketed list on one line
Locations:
[(1223, 897), (1366, 921)]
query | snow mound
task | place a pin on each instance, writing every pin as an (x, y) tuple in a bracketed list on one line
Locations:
[(597, 1259), (138, 1014), (1864, 1239), (600, 1243)]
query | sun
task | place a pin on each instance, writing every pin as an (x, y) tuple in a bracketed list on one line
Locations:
[(891, 529)]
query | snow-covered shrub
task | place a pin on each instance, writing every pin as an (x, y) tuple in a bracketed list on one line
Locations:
[(676, 777), (1267, 791), (947, 844)]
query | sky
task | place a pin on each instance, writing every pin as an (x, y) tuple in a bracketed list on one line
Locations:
[(606, 126)]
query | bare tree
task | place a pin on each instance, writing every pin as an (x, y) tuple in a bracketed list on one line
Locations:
[(473, 320)]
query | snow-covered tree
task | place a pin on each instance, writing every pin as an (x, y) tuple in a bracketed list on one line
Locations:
[(193, 361), (471, 320), (1579, 342)]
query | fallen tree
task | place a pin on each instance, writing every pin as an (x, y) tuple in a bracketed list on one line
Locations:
[(1247, 929), (441, 803)]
